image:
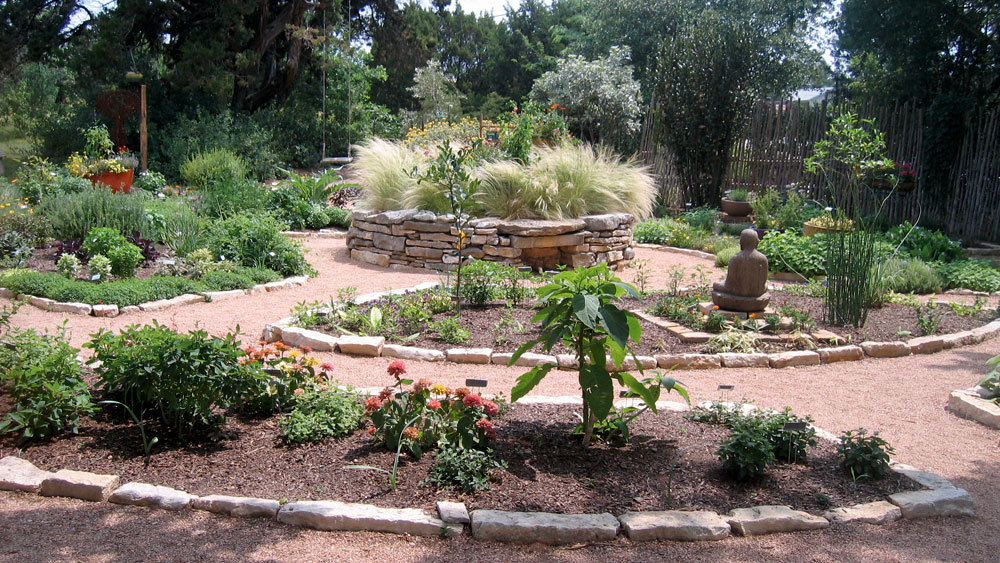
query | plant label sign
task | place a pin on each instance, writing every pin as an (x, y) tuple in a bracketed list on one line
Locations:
[(95, 277), (475, 383), (793, 427), (726, 387), (169, 262)]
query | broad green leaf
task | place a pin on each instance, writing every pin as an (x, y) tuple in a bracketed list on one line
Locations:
[(585, 307), (671, 384), (528, 381), (634, 328), (597, 389), (615, 322), (648, 394)]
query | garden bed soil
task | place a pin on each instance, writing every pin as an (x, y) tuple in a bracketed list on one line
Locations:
[(884, 325), (547, 468)]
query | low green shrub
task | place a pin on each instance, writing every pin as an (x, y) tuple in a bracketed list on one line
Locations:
[(789, 252), (69, 266), (255, 240), (974, 274), (15, 249), (149, 181), (225, 281), (926, 244), (466, 470), (125, 257), (703, 218), (724, 255), (74, 215), (18, 216), (230, 197), (734, 229), (122, 293), (211, 168), (183, 379), (484, 281), (44, 382), (864, 455), (450, 331), (321, 414), (654, 231), (913, 276), (339, 217), (747, 453)]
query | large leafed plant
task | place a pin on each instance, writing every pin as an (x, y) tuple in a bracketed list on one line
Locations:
[(578, 309)]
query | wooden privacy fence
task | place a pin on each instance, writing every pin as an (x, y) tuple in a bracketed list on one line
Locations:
[(780, 135)]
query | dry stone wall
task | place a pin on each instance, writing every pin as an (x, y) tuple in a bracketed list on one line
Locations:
[(425, 240)]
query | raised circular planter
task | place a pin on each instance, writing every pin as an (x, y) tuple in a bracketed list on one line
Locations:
[(424, 240)]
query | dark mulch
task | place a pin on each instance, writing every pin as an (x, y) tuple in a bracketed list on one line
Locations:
[(488, 331), (548, 469)]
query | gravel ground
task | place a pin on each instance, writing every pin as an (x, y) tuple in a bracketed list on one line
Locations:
[(903, 398)]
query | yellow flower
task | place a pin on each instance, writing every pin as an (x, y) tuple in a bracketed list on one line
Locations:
[(309, 362), (294, 354)]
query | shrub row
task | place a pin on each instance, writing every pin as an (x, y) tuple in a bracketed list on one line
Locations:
[(131, 291)]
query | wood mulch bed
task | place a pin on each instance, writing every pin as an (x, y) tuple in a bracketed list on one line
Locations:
[(883, 325), (44, 258), (547, 468)]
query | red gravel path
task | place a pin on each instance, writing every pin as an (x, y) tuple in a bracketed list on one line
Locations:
[(902, 398)]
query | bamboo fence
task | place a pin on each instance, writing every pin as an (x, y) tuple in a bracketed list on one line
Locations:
[(780, 135)]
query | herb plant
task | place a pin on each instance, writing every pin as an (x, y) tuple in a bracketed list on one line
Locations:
[(864, 455)]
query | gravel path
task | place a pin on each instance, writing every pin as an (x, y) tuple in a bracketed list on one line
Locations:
[(902, 398)]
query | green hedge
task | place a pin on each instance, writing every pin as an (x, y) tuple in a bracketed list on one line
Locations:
[(122, 293)]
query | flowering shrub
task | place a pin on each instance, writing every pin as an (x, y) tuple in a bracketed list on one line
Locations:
[(429, 416), (286, 374)]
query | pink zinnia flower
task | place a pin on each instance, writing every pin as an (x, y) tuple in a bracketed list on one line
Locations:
[(326, 366), (486, 426), (472, 400), (396, 369), (373, 404), (434, 405), (490, 408)]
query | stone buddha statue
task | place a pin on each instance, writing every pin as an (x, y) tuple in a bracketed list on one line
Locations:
[(745, 288)]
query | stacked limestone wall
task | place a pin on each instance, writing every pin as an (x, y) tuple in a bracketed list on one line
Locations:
[(424, 239)]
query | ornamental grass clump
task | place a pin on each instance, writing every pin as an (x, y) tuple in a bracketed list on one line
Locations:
[(558, 182), (852, 150)]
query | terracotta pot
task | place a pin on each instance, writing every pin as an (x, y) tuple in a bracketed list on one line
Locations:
[(117, 181), (736, 208)]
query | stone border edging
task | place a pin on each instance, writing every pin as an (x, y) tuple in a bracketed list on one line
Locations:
[(970, 404), (938, 498), (375, 346), (109, 311)]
